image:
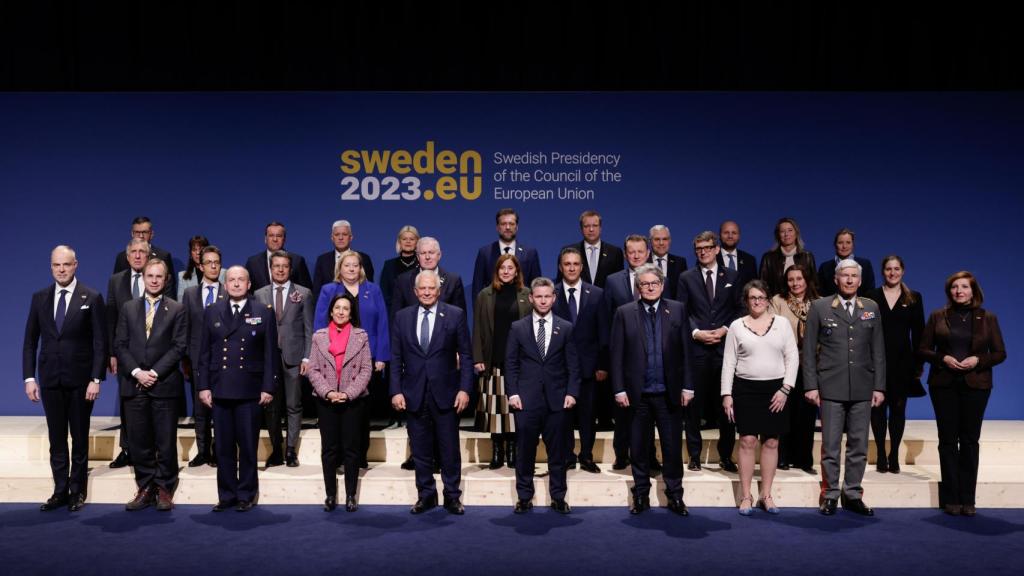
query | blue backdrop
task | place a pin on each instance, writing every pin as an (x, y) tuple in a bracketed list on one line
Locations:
[(933, 177)]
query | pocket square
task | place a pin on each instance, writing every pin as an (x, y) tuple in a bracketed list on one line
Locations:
[(84, 307), (728, 285)]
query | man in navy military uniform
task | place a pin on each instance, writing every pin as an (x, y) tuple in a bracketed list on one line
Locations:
[(237, 370)]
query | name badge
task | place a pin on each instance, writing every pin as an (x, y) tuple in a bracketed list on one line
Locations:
[(254, 321)]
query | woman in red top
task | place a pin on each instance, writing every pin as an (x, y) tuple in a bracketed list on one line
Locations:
[(340, 366)]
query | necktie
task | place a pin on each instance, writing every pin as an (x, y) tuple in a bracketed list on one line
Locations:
[(236, 310), (709, 285), (652, 317), (136, 291), (572, 305), (541, 334), (62, 309), (732, 262), (150, 313), (279, 302), (592, 261), (209, 296), (425, 331), (849, 309), (661, 264), (507, 248)]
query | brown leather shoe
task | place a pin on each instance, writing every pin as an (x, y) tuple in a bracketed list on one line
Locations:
[(143, 499), (164, 499)]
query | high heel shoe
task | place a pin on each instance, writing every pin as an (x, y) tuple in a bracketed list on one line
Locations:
[(497, 452), (763, 505), (350, 504), (330, 504), (894, 463), (749, 510)]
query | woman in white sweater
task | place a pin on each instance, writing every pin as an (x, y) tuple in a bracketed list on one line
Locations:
[(758, 372)]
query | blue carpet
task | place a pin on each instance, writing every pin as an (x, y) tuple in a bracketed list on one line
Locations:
[(387, 540)]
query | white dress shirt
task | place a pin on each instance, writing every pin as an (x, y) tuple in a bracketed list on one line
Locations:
[(579, 287), (67, 297)]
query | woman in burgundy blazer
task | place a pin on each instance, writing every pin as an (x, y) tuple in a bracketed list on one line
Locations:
[(962, 342)]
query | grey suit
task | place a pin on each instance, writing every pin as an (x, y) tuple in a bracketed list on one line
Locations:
[(844, 360), (294, 336)]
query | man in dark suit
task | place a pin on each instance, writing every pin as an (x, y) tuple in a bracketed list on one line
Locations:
[(712, 299), (585, 307), (542, 381), (428, 253), (431, 378), (732, 258), (142, 228), (600, 259), (66, 332), (844, 375), (123, 286), (150, 343), (844, 249), (238, 364), (196, 300), (327, 263), (258, 265), (293, 308), (671, 265), (507, 223), (650, 373)]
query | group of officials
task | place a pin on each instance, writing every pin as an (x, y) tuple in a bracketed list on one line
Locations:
[(631, 336)]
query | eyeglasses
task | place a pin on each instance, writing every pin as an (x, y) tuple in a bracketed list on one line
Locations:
[(758, 298), (650, 284), (700, 249)]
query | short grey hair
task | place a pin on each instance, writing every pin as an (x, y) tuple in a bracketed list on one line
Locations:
[(541, 282), (659, 228), (341, 224), (64, 248), (134, 241), (427, 240), (429, 274), (648, 269), (848, 263)]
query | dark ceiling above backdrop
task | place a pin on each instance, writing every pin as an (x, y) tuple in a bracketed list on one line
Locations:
[(505, 45)]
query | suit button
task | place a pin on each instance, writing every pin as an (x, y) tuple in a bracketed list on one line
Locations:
[(243, 339), (243, 357), (242, 349), (239, 367), (225, 349), (224, 367), (225, 358)]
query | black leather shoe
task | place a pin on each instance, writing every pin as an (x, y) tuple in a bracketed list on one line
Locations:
[(224, 505), (968, 510), (655, 466), (363, 464), (882, 465), (640, 503), (245, 505), (620, 464), (678, 506), (857, 506), (571, 465), (510, 452), (408, 464), (291, 458), (810, 470), (423, 504), (728, 465), (454, 506), (694, 465), (828, 506), (144, 497), (497, 453), (589, 466), (522, 506), (54, 502), (199, 460), (275, 460), (76, 501), (330, 503), (783, 465), (952, 509), (350, 504), (560, 506), (894, 464), (122, 460)]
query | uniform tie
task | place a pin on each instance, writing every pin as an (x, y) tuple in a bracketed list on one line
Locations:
[(849, 308)]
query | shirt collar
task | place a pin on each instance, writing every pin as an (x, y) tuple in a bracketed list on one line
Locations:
[(241, 303), (656, 304), (433, 309), (713, 267), (546, 318), (578, 285), (287, 285), (70, 287), (502, 246)]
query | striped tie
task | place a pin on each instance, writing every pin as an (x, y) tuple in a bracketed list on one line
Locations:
[(151, 305)]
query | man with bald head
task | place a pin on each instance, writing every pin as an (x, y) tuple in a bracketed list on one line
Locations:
[(730, 257), (66, 333), (238, 367)]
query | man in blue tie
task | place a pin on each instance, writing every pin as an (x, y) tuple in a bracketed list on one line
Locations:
[(431, 378)]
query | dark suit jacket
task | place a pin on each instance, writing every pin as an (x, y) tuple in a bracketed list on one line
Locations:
[(483, 322), (121, 263), (746, 267), (224, 367), (705, 315), (446, 368), (75, 355), (404, 295), (610, 260), (772, 269), (193, 300), (676, 266), (161, 352), (628, 350), (593, 325), (541, 382), (827, 274), (323, 270), (618, 290), (259, 274), (986, 344), (119, 291), (487, 258)]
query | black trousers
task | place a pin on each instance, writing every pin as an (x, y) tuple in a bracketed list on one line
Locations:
[(959, 411), (203, 416), (554, 427), (441, 425), (650, 411), (707, 381), (66, 411), (272, 414), (340, 441), (237, 424), (797, 447), (152, 425), (583, 414)]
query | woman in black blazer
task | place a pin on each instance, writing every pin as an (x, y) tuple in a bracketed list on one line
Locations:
[(962, 342), (902, 323), (787, 250)]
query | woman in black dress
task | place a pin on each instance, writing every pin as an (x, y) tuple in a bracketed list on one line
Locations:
[(787, 250), (902, 323), (405, 247)]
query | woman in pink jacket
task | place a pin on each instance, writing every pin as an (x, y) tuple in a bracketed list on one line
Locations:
[(339, 369)]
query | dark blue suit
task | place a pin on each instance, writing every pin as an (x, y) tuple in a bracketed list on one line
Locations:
[(676, 265), (618, 290), (487, 258), (542, 383), (746, 267), (705, 315), (404, 294), (430, 380), (238, 359), (68, 360)]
